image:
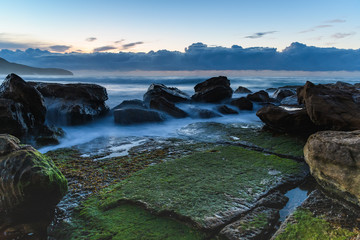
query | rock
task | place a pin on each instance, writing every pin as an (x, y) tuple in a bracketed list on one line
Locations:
[(275, 200), (135, 103), (287, 119), (171, 94), (73, 104), (164, 105), (213, 90), (226, 110), (330, 107), (290, 101), (258, 224), (242, 103), (334, 160), (280, 94), (203, 113), (260, 96), (30, 183), (242, 90), (136, 115), (11, 118)]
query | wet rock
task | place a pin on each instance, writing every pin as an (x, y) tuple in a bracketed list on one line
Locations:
[(73, 104), (164, 105), (136, 115), (171, 94), (334, 160), (242, 103), (30, 184), (260, 96), (258, 224), (202, 113), (290, 101), (226, 110), (135, 103), (11, 118), (275, 200), (330, 107), (287, 119), (213, 90), (242, 90), (280, 94)]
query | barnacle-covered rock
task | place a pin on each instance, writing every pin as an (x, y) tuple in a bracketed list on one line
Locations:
[(30, 183)]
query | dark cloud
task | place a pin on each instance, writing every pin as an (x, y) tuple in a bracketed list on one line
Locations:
[(342, 35), (336, 21), (104, 48), (131, 45), (120, 41), (260, 34), (59, 48), (197, 56), (91, 39), (15, 45)]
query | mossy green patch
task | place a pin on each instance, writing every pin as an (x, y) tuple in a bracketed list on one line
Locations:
[(259, 221), (307, 226), (128, 222), (203, 184)]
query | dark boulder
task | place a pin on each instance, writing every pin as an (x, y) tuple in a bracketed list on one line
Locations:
[(134, 103), (164, 105), (72, 104), (242, 90), (30, 183), (242, 103), (226, 110), (171, 94), (281, 93), (288, 120), (330, 106), (136, 115), (290, 101), (260, 96), (213, 90), (11, 118)]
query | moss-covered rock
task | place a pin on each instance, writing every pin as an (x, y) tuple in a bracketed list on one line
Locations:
[(30, 183)]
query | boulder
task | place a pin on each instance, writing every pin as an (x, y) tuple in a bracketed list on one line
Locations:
[(136, 115), (334, 161), (202, 113), (164, 105), (171, 94), (242, 103), (290, 101), (282, 93), (11, 118), (330, 106), (73, 104), (223, 109), (134, 103), (287, 119), (260, 96), (30, 183), (242, 90), (213, 90)]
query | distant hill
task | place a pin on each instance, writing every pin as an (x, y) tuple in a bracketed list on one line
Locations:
[(8, 67)]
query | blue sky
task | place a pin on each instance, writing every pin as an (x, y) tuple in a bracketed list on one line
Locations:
[(141, 26)]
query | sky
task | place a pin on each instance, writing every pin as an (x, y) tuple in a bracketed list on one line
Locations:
[(144, 25)]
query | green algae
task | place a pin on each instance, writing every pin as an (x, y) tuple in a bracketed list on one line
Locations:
[(259, 221), (203, 184), (307, 226)]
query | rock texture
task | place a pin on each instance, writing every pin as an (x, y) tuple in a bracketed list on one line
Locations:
[(241, 89), (164, 105), (72, 104), (136, 115), (260, 96), (331, 106), (334, 160), (171, 94), (213, 90), (242, 103), (29, 182)]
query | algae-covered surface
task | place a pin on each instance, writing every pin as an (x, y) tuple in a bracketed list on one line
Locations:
[(204, 189), (246, 135), (307, 226)]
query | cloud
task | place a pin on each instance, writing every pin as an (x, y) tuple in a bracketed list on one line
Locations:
[(131, 45), (120, 41), (323, 26), (316, 27), (91, 39), (342, 35), (197, 56), (60, 48), (104, 48), (260, 34), (336, 21)]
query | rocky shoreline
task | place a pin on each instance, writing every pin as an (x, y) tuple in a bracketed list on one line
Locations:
[(218, 181)]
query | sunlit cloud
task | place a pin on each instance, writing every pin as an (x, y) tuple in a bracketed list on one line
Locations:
[(131, 45), (91, 39), (342, 35), (60, 48), (260, 34), (104, 48)]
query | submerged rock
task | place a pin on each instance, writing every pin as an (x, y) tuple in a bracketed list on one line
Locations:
[(260, 96), (164, 105), (242, 103), (30, 183), (171, 94), (241, 89), (331, 107), (73, 104), (134, 103), (226, 110), (213, 90), (334, 160), (136, 115), (202, 113), (282, 93)]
